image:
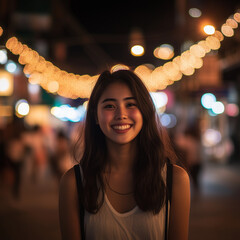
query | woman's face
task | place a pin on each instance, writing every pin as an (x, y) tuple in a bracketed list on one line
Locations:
[(118, 114)]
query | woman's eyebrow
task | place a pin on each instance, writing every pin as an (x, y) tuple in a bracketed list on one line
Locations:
[(129, 98), (109, 99), (114, 100)]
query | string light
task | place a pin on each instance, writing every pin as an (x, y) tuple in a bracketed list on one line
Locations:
[(227, 30), (50, 77)]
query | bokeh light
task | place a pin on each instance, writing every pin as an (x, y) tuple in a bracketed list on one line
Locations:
[(160, 99), (232, 110), (11, 66), (209, 29), (211, 137), (168, 120), (22, 108), (137, 50), (3, 56), (218, 107), (207, 100), (195, 12), (165, 52), (227, 30)]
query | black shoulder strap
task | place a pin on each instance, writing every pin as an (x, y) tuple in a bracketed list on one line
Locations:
[(80, 192), (169, 181), (168, 195)]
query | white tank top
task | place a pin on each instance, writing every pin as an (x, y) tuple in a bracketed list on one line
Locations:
[(108, 224)]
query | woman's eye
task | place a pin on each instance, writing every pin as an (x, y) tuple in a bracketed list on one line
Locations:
[(131, 105), (109, 106)]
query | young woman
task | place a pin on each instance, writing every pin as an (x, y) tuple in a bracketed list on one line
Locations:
[(123, 169)]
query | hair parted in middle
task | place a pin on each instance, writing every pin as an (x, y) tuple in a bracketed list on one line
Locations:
[(153, 148)]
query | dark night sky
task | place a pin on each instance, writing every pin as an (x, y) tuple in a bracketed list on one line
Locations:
[(111, 22)]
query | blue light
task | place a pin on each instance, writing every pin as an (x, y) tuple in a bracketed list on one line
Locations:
[(11, 67), (68, 113), (207, 100), (168, 120)]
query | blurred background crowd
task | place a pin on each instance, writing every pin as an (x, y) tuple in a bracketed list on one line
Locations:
[(39, 126)]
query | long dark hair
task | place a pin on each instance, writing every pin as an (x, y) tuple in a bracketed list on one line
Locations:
[(152, 150)]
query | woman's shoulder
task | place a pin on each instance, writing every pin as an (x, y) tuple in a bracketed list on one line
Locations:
[(68, 179), (180, 180), (180, 173)]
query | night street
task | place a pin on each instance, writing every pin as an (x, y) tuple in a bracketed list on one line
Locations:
[(215, 209)]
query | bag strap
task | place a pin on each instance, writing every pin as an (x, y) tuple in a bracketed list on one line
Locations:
[(168, 194), (80, 193)]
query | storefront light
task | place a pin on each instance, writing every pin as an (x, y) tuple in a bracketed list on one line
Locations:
[(6, 83), (22, 108), (11, 66), (3, 56), (218, 107), (207, 100)]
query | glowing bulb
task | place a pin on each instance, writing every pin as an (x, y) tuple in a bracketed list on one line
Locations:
[(236, 17), (218, 35), (197, 50), (209, 29), (207, 100), (118, 67), (160, 99), (195, 12), (165, 51), (218, 107), (213, 42), (22, 107), (137, 50), (227, 30), (52, 86), (4, 84), (11, 67), (231, 23), (3, 56)]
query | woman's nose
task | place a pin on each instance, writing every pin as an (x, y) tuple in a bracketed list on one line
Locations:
[(121, 113)]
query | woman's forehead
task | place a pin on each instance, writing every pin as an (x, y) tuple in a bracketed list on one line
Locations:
[(117, 89)]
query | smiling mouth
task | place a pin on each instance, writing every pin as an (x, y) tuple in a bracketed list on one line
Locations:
[(121, 127)]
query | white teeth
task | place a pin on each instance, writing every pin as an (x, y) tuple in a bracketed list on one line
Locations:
[(121, 127)]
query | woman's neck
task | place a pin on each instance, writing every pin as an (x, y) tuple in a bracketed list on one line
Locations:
[(121, 157)]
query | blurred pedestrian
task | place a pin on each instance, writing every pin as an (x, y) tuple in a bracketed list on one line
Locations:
[(123, 169), (189, 143), (37, 145), (15, 153), (61, 160)]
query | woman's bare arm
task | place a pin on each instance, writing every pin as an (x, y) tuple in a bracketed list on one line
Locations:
[(180, 206), (68, 207)]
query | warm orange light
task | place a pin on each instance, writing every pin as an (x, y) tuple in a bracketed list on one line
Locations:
[(165, 51), (137, 50), (209, 29), (6, 83), (227, 30)]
